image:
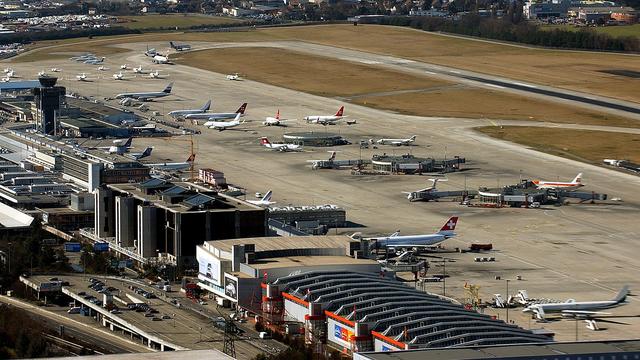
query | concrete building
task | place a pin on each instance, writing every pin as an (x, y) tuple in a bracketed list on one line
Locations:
[(541, 9), (159, 218), (48, 101), (311, 138), (327, 215), (409, 164)]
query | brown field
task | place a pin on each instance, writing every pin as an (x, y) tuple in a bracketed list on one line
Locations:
[(567, 69), (583, 145), (178, 21), (481, 103), (312, 74)]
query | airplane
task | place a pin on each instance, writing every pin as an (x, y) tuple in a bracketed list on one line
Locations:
[(575, 183), (123, 67), (265, 201), (118, 76), (396, 240), (325, 119), (174, 166), (159, 59), (10, 74), (154, 74), (431, 189), (54, 70), (5, 79), (146, 96), (150, 52), (275, 121), (138, 70), (41, 73), (144, 154), (235, 77), (7, 70), (95, 61), (120, 146), (181, 113), (218, 116), (81, 77), (103, 68), (578, 309), (397, 142), (179, 47), (224, 125), (279, 146)]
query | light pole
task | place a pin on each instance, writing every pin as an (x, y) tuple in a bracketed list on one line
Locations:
[(444, 277), (507, 304), (174, 320)]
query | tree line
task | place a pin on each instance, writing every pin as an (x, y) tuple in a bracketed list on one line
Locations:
[(28, 36), (513, 30)]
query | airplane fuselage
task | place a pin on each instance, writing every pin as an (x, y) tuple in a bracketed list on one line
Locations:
[(410, 240)]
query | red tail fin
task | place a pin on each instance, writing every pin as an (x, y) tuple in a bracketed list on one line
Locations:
[(191, 158), (450, 225), (264, 141), (242, 109), (341, 111), (278, 114)]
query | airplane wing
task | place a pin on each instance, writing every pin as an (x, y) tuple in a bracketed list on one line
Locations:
[(583, 313)]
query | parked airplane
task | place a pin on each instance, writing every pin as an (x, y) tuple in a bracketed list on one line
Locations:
[(419, 193), (150, 52), (179, 47), (218, 116), (146, 96), (81, 77), (397, 142), (159, 59), (235, 77), (325, 119), (575, 183), (156, 75), (224, 125), (175, 166), (94, 61), (182, 113), (265, 201), (118, 76), (41, 73), (138, 70), (578, 309), (275, 121), (54, 70), (120, 146), (102, 68), (123, 67), (144, 154), (410, 241), (279, 146)]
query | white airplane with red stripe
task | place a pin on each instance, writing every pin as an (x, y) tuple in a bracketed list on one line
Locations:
[(275, 121), (575, 183), (326, 119), (409, 241), (284, 147)]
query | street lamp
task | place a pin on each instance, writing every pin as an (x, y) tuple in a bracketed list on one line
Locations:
[(444, 277), (507, 304)]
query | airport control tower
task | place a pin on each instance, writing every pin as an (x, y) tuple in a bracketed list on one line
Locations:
[(48, 100)]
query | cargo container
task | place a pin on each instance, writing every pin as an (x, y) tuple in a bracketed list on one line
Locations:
[(72, 247)]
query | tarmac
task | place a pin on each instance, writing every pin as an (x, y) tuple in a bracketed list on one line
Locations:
[(579, 251)]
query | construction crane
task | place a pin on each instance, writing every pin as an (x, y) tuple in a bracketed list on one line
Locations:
[(192, 154), (473, 294)]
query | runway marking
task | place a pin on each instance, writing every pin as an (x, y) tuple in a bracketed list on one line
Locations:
[(525, 85), (454, 71), (430, 72), (495, 86)]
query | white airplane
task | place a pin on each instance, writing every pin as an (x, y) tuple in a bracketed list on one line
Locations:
[(55, 70), (7, 70), (159, 59), (572, 308), (182, 113), (41, 73), (575, 183), (176, 166), (156, 75), (265, 201), (224, 125), (138, 70), (11, 73), (81, 77), (146, 96), (102, 68), (274, 121), (413, 195), (119, 146), (396, 240), (279, 146), (5, 79), (218, 116), (118, 76), (234, 77), (144, 154), (397, 142), (123, 67), (94, 61), (325, 119)]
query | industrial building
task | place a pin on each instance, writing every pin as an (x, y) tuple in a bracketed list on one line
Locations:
[(157, 218), (351, 303), (311, 138), (609, 349), (409, 164)]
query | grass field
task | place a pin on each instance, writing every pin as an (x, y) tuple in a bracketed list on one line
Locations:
[(620, 30), (481, 103), (178, 21), (383, 89), (580, 71), (582, 145), (313, 74)]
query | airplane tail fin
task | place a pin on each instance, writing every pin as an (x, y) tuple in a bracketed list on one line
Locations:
[(191, 158), (264, 141), (170, 43), (340, 111), (168, 88), (333, 156), (267, 196), (449, 226), (206, 106), (242, 108), (278, 114), (146, 152), (622, 294), (128, 142), (577, 179), (413, 138)]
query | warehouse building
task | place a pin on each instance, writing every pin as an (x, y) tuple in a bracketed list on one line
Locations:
[(311, 138), (409, 164), (159, 218)]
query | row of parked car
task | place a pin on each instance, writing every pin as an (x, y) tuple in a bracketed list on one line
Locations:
[(143, 292)]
